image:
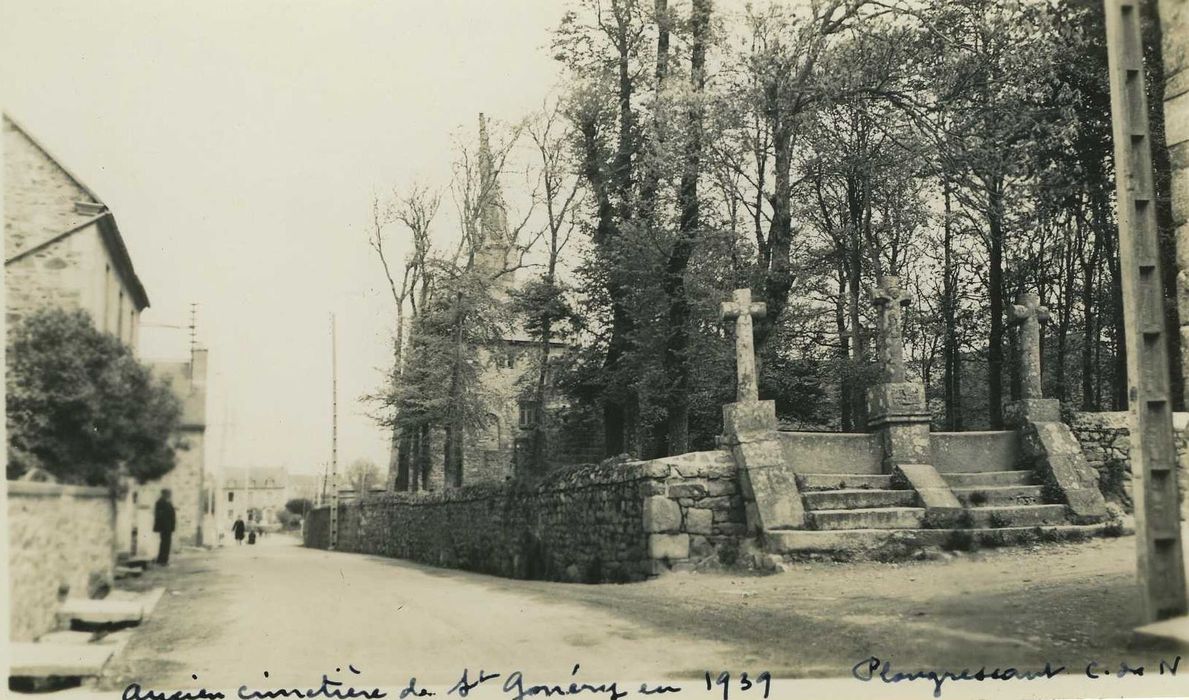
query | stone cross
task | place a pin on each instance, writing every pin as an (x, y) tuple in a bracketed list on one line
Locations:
[(742, 308), (1030, 315), (888, 299)]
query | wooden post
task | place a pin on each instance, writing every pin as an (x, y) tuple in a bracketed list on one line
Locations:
[(1161, 569), (334, 439)]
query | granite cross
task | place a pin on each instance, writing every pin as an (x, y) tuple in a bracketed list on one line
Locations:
[(888, 299), (1030, 315), (742, 308)]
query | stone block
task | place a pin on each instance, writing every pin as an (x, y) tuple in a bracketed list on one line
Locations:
[(1056, 455), (699, 521), (1016, 413), (930, 487), (895, 402), (661, 514), (63, 660), (687, 490), (669, 547), (700, 546), (721, 487), (744, 419), (1176, 119)]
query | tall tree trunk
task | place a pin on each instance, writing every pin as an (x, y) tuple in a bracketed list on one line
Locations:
[(846, 380), (949, 301), (995, 292), (1119, 375), (677, 361), (779, 278)]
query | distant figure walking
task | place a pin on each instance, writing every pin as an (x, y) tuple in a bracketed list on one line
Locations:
[(238, 528), (164, 523)]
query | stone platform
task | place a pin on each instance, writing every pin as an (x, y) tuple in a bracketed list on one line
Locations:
[(38, 660)]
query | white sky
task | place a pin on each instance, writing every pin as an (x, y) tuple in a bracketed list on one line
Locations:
[(239, 144)]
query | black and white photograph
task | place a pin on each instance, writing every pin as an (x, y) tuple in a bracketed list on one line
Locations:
[(595, 349)]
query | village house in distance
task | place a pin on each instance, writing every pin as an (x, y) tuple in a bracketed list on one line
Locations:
[(63, 249)]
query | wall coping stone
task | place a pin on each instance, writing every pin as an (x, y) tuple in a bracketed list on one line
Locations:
[(46, 489), (568, 479)]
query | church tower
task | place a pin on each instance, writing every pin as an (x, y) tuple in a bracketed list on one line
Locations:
[(495, 252)]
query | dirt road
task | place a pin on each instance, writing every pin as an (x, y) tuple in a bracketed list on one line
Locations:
[(233, 614)]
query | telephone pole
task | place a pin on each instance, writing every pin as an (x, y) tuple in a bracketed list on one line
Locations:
[(334, 438), (1153, 451)]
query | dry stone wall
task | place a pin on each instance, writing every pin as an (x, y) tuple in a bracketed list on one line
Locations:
[(1106, 442), (61, 542), (612, 522)]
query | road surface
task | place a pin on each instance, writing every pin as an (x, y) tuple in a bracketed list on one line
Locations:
[(232, 614)]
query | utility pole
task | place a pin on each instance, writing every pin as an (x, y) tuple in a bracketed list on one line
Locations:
[(1159, 557), (334, 438)]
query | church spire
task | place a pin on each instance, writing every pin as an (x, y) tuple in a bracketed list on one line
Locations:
[(495, 248)]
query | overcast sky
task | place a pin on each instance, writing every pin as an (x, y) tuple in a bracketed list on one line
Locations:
[(239, 144)]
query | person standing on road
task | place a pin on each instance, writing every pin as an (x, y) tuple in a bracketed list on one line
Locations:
[(238, 529), (164, 522)]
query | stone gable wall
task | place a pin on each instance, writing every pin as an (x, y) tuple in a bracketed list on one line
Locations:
[(61, 543), (611, 522), (39, 196), (1106, 442)]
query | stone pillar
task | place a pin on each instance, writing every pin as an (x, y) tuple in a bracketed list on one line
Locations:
[(896, 407), (1029, 316)]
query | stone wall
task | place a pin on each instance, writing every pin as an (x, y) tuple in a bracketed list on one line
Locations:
[(611, 522), (1174, 17), (61, 542), (1106, 442)]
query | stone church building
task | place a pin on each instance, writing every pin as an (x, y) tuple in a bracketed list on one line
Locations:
[(501, 450)]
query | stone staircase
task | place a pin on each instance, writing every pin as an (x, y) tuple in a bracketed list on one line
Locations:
[(858, 502), (871, 513), (1008, 498), (92, 632)]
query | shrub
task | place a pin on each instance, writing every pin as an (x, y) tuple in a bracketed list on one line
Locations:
[(81, 407)]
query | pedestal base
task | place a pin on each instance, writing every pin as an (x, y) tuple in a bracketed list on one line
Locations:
[(898, 412), (747, 417), (896, 402), (1017, 413)]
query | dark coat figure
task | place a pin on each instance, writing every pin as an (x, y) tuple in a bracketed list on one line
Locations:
[(164, 523), (238, 529)]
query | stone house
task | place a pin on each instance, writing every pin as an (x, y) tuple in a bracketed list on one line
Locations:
[(62, 246), (255, 494), (188, 481)]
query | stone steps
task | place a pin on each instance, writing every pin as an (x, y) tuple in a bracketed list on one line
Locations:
[(1017, 516), (867, 518), (828, 482), (37, 660), (999, 495), (1018, 477), (876, 540), (851, 499), (83, 612)]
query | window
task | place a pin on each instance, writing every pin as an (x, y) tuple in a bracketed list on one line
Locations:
[(230, 496), (528, 414)]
